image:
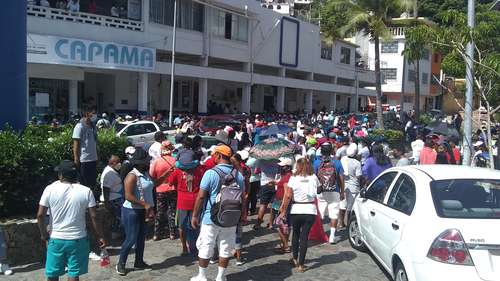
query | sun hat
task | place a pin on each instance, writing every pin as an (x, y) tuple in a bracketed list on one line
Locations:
[(244, 154), (129, 150), (352, 150), (186, 160), (285, 161)]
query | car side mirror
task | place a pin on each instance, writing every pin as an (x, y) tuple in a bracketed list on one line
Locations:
[(362, 193)]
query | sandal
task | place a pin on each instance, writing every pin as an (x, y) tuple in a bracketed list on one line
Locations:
[(302, 268)]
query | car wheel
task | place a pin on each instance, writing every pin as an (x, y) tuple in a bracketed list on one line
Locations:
[(355, 235), (400, 273)]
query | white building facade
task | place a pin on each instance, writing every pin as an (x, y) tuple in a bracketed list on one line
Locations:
[(229, 53), (398, 74)]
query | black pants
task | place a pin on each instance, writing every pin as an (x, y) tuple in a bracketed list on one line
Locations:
[(301, 225), (88, 177), (252, 196)]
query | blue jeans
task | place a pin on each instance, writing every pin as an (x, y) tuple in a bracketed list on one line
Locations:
[(135, 234)]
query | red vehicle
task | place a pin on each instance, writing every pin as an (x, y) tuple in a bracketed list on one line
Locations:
[(211, 124)]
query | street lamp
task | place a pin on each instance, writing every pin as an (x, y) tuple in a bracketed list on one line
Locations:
[(172, 71), (469, 75)]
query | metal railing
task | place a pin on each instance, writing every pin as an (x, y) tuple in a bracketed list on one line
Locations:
[(86, 18)]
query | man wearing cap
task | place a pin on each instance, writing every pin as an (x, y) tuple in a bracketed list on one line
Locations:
[(329, 202), (85, 151), (352, 175), (210, 234), (68, 202)]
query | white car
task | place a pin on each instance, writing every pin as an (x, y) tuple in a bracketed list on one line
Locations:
[(431, 222), (139, 133)]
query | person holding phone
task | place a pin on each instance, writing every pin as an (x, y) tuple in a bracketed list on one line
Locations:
[(136, 210)]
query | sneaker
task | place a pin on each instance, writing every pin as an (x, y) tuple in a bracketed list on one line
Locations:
[(93, 256), (142, 266), (198, 278), (213, 261), (334, 240), (5, 269), (120, 269), (221, 279), (239, 263)]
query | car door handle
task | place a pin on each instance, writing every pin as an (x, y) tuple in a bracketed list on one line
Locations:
[(395, 226), (372, 213)]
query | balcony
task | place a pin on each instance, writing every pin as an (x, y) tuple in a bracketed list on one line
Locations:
[(85, 18), (397, 32)]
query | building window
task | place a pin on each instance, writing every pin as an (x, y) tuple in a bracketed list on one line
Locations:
[(426, 54), (425, 78), (390, 47), (239, 28), (345, 55), (326, 50), (189, 13), (389, 74), (229, 26), (411, 75)]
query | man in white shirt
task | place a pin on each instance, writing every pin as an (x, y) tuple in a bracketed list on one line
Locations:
[(73, 6), (416, 147), (112, 191), (154, 149), (352, 173), (68, 202)]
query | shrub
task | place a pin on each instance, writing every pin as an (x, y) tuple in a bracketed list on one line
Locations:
[(392, 137), (425, 119), (27, 161)]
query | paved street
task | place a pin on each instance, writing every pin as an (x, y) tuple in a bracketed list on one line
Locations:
[(326, 262)]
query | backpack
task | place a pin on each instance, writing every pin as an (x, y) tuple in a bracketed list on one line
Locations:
[(327, 176), (227, 208)]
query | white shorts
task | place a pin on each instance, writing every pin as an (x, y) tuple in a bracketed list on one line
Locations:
[(211, 234), (329, 203)]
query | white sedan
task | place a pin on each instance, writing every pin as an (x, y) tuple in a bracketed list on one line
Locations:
[(431, 222), (140, 133)]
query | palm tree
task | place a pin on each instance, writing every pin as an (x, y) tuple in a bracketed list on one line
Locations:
[(372, 17)]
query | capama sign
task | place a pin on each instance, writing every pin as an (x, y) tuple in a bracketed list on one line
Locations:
[(71, 51)]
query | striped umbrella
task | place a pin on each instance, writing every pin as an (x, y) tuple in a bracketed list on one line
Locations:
[(272, 149)]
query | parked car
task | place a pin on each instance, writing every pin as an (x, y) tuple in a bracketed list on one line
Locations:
[(211, 124), (139, 133), (431, 222)]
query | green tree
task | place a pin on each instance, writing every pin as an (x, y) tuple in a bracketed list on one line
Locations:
[(372, 18)]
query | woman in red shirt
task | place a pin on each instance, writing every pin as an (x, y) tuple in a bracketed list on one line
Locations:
[(186, 178), (283, 229)]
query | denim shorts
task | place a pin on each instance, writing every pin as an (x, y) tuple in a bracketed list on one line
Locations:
[(73, 254)]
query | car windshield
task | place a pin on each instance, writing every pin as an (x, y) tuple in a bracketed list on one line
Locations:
[(467, 198), (119, 126)]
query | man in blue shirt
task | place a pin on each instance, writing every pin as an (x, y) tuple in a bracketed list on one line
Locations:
[(210, 234), (329, 201)]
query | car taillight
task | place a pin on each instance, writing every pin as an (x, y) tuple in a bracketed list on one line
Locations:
[(449, 247)]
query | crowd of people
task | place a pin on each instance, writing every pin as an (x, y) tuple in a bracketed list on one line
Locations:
[(202, 197)]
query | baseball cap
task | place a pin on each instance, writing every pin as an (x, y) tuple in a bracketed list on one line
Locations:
[(285, 161), (129, 150), (224, 150)]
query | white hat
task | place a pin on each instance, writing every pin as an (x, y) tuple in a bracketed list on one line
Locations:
[(478, 143), (352, 150), (285, 161), (130, 150), (244, 154), (128, 117)]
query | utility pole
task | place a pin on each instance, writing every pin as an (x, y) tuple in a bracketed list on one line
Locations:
[(172, 74), (467, 141)]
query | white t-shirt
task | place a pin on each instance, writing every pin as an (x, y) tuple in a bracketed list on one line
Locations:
[(416, 147), (67, 204), (111, 178), (304, 190), (154, 151), (352, 172)]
